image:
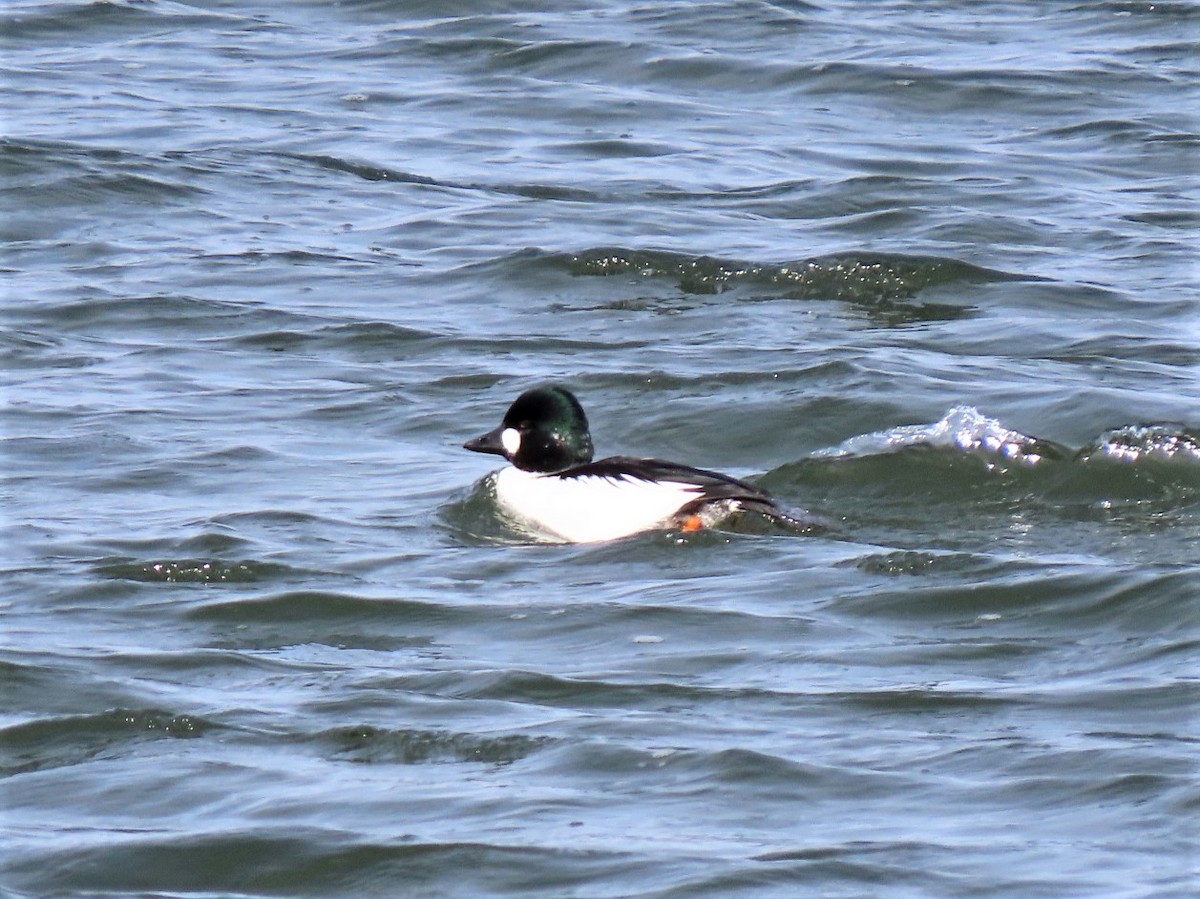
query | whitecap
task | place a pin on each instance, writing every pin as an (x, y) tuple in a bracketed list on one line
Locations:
[(964, 428)]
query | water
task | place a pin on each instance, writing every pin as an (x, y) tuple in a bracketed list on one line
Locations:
[(927, 271)]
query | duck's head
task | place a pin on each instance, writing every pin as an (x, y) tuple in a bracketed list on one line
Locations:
[(544, 430)]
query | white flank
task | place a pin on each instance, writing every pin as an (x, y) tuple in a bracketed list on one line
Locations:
[(590, 509)]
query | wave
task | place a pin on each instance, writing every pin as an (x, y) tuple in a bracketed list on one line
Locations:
[(369, 744), (952, 477), (846, 275), (37, 23), (888, 287), (197, 571), (43, 174), (72, 739), (1144, 443), (306, 859), (966, 429)]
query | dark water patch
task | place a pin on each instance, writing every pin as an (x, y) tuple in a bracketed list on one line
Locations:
[(208, 544), (925, 475), (1084, 602), (549, 340), (27, 452), (179, 316), (1063, 780), (886, 287), (1106, 129), (750, 381), (957, 652), (767, 191), (312, 604), (289, 257), (758, 771), (367, 171), (1172, 220), (44, 175), (285, 636), (70, 740), (366, 744), (916, 563), (830, 277), (165, 476), (1115, 348), (610, 149), (643, 615), (375, 341), (308, 861), (1122, 700), (890, 489), (30, 351), (41, 684), (430, 44), (1171, 11), (563, 192), (197, 571), (338, 620), (206, 663), (1162, 599), (931, 700), (1032, 94), (542, 689), (377, 173), (562, 59), (35, 24), (271, 527), (672, 769), (993, 599), (92, 188), (1127, 738), (1187, 138), (899, 868), (239, 520)]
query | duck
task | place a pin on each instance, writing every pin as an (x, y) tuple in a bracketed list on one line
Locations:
[(553, 487)]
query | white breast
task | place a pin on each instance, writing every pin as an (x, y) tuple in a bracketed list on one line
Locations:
[(589, 509)]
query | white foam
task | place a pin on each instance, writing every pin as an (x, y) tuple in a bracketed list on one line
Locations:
[(1137, 442), (964, 428)]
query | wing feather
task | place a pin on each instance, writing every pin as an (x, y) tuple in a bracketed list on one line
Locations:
[(712, 485)]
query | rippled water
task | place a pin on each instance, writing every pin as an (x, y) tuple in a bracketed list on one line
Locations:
[(926, 270)]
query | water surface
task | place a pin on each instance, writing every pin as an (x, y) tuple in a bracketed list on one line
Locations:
[(927, 271)]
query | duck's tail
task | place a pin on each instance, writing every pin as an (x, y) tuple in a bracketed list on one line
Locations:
[(797, 521), (708, 513)]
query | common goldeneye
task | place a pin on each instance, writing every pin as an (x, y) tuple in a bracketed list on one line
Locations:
[(554, 485)]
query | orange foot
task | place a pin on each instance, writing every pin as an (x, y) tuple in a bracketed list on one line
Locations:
[(692, 523)]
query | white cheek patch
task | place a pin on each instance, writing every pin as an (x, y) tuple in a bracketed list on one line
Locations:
[(510, 439)]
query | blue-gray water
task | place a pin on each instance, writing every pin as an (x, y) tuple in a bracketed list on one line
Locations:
[(267, 266)]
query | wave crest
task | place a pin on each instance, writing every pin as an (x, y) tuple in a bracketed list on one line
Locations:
[(1136, 443), (964, 428)]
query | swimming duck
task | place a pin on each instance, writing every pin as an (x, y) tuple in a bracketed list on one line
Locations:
[(553, 485)]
